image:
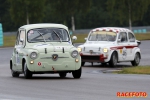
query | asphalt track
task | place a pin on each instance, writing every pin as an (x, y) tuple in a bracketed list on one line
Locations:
[(93, 85)]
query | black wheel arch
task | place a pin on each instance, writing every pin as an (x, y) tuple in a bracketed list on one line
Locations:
[(10, 64), (23, 61), (139, 54), (115, 53)]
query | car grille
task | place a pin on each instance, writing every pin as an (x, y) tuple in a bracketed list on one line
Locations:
[(90, 58)]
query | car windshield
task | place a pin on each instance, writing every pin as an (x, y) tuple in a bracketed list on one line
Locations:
[(47, 35), (102, 36)]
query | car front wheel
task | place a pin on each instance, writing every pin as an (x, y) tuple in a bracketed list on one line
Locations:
[(114, 59), (27, 73), (136, 60), (77, 73)]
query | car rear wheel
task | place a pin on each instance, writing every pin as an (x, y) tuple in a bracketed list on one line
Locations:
[(114, 59), (77, 73), (136, 60), (13, 73), (62, 74), (27, 73)]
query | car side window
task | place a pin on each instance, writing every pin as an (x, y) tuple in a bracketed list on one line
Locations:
[(21, 37), (131, 37), (123, 37), (17, 38)]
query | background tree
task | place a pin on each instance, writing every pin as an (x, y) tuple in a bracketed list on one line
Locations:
[(86, 14), (96, 16), (5, 16), (26, 11), (70, 8), (132, 10)]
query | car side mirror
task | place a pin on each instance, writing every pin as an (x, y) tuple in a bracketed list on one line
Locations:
[(21, 40), (85, 39), (138, 42), (74, 38)]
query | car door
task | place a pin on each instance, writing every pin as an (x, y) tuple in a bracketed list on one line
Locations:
[(123, 46), (132, 44), (19, 49), (14, 55)]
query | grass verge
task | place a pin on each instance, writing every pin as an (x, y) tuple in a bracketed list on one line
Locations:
[(144, 36), (139, 36), (9, 41), (135, 70)]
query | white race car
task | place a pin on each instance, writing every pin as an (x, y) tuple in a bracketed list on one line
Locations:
[(110, 45)]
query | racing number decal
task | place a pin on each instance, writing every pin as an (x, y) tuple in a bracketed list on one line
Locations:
[(120, 51), (39, 63), (124, 53)]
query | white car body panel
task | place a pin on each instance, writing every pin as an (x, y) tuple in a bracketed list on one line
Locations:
[(92, 50)]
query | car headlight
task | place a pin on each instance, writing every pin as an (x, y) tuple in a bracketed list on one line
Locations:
[(74, 54), (79, 49), (33, 55), (105, 50)]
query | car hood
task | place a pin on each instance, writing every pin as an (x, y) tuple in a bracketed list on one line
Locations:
[(51, 47), (97, 44)]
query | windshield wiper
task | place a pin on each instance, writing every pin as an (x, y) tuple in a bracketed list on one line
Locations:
[(41, 35), (57, 36)]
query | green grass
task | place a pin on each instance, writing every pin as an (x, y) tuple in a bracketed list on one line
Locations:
[(135, 70), (9, 41), (80, 38), (142, 36)]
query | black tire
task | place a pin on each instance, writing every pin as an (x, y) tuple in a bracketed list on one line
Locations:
[(114, 59), (136, 60), (77, 73), (82, 63), (104, 64), (27, 73), (13, 73), (62, 74)]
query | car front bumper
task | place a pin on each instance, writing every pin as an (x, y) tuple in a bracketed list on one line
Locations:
[(93, 58), (46, 63)]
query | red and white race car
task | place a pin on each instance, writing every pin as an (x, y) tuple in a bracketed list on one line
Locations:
[(110, 45)]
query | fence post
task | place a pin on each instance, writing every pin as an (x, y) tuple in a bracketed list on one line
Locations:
[(1, 35)]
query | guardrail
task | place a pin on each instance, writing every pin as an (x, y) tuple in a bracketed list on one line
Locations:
[(1, 35)]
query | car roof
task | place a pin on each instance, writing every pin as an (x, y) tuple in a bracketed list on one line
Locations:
[(112, 29), (43, 25)]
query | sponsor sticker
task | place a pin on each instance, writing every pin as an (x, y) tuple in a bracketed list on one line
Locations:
[(39, 63), (124, 53), (120, 51)]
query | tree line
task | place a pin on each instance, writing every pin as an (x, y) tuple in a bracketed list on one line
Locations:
[(76, 14)]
